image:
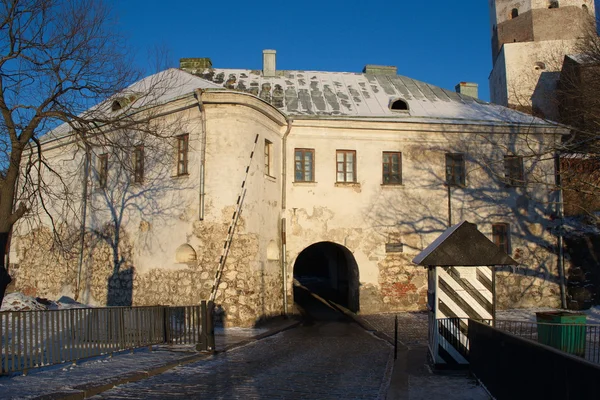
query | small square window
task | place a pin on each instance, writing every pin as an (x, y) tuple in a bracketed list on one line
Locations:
[(500, 235), (182, 154), (138, 164), (346, 165), (513, 171), (392, 168), (304, 160), (455, 169), (102, 170)]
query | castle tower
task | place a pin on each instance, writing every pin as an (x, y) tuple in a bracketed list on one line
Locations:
[(529, 41)]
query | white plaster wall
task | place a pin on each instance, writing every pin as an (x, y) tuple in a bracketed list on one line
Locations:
[(522, 78), (497, 81), (366, 215)]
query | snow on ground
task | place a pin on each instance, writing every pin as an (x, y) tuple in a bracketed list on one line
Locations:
[(528, 314), (20, 302)]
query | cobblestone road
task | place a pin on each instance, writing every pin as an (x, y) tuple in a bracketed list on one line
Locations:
[(327, 359)]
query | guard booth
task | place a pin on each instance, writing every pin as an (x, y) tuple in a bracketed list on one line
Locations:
[(461, 286)]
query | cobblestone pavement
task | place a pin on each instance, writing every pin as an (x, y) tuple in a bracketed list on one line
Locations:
[(412, 326), (329, 357)]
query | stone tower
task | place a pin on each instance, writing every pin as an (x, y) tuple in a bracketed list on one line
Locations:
[(529, 41)]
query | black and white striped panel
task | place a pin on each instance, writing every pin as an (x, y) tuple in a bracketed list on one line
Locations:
[(463, 292)]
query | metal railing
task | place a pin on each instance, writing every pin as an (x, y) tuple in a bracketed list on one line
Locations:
[(453, 332), (579, 339), (31, 339)]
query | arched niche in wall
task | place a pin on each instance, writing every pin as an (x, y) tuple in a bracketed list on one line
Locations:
[(272, 251), (185, 254)]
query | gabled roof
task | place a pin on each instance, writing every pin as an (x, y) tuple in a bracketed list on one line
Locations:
[(462, 245), (344, 94)]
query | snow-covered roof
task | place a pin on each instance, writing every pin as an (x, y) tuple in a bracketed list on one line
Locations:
[(347, 94), (155, 89)]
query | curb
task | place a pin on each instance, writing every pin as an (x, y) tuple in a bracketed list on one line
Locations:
[(86, 390)]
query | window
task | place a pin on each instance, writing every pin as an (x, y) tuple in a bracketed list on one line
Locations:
[(455, 169), (102, 170), (553, 4), (392, 168), (304, 165), (268, 157), (346, 165), (399, 105), (138, 164), (513, 171), (500, 236), (514, 13), (182, 154)]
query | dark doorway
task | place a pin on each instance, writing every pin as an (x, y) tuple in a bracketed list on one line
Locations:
[(329, 270)]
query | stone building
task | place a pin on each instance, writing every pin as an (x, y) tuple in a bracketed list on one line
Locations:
[(327, 177), (530, 39)]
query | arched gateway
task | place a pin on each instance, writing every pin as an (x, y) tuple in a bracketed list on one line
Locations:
[(329, 270)]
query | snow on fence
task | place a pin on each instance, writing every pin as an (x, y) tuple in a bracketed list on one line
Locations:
[(31, 339)]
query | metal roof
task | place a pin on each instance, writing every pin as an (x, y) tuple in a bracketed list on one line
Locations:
[(345, 94), (463, 245)]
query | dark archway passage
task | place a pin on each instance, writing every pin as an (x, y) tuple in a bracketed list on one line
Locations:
[(329, 270)]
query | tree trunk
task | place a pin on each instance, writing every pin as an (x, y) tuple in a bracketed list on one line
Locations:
[(5, 278)]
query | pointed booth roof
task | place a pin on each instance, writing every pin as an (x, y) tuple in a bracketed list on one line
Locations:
[(462, 245)]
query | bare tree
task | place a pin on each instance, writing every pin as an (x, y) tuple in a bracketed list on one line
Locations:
[(57, 59)]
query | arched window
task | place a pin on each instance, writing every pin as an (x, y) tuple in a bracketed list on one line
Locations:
[(514, 13), (553, 4), (539, 66), (116, 105), (185, 254), (399, 105), (585, 8)]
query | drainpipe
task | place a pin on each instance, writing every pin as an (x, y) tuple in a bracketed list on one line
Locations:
[(84, 195), (283, 210), (449, 205), (198, 96), (560, 212)]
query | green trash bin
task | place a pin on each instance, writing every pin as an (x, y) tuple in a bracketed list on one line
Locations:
[(562, 330)]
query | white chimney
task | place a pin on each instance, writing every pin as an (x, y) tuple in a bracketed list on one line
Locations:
[(269, 63)]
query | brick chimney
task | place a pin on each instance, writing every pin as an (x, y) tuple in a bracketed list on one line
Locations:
[(468, 89), (380, 69), (194, 64)]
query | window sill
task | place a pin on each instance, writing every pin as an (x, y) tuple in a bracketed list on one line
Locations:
[(347, 184), (304, 183), (392, 185), (180, 176)]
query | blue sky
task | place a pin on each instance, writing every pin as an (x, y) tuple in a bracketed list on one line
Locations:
[(438, 42)]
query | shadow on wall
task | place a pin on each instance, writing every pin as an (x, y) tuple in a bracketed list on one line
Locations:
[(522, 198), (120, 288)]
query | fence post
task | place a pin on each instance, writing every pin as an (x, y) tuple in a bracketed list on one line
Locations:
[(165, 324), (202, 346), (211, 325)]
